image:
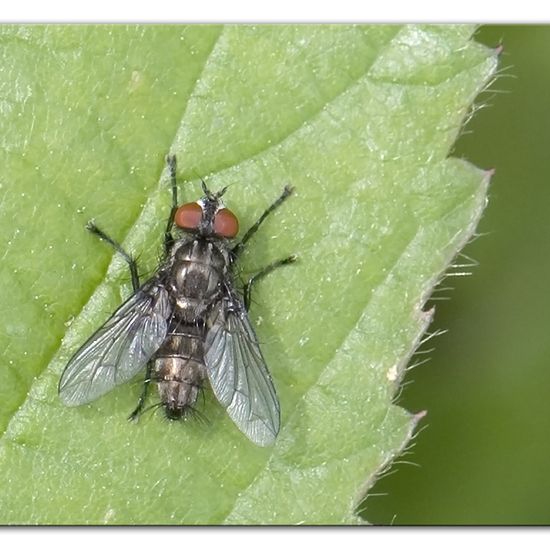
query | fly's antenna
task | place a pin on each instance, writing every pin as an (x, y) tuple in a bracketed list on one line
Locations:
[(209, 194), (206, 191), (220, 194), (213, 196)]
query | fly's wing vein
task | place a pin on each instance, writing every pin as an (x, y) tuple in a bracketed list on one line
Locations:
[(238, 374), (119, 349)]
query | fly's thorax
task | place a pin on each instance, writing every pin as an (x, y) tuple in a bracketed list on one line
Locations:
[(179, 382), (197, 269)]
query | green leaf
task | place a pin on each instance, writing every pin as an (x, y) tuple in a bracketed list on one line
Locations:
[(360, 119)]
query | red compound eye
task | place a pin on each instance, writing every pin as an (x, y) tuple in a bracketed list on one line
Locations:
[(188, 216), (226, 223)]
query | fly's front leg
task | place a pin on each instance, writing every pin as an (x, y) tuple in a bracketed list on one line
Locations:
[(137, 411), (238, 248), (247, 291), (93, 228), (168, 237)]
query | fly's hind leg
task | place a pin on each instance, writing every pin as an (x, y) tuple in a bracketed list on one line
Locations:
[(247, 290), (141, 402), (168, 237), (132, 265)]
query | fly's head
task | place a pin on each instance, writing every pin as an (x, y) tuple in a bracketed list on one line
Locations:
[(208, 216)]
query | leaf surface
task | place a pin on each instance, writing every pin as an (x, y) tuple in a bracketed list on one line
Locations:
[(359, 119)]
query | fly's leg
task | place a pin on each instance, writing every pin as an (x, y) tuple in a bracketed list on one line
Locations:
[(141, 402), (247, 290), (93, 228), (238, 248), (168, 237)]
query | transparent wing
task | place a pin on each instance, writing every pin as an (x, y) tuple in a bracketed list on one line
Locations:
[(119, 349), (238, 373)]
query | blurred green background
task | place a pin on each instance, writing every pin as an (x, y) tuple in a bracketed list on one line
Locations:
[(484, 454)]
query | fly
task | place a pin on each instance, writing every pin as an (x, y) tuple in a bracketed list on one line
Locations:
[(187, 324)]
